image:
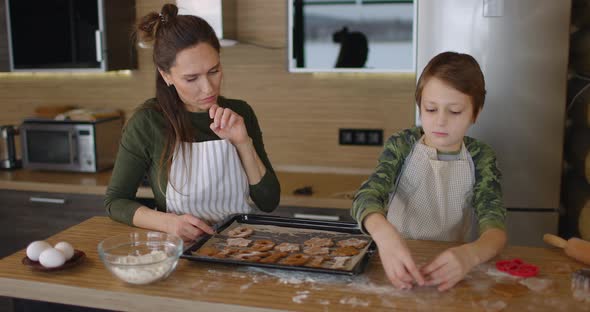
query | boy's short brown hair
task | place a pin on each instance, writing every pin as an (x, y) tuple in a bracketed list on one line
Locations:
[(460, 71)]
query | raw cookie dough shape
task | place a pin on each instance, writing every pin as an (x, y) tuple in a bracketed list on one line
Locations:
[(316, 250), (340, 262), (316, 261), (241, 232), (225, 252), (263, 245), (208, 251), (295, 259), (252, 256), (345, 251), (274, 257), (319, 242), (287, 247), (353, 242), (238, 242)]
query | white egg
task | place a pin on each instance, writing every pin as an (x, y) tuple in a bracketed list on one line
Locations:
[(51, 258), (35, 248), (66, 248)]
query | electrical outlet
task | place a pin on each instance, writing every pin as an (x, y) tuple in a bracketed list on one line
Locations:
[(346, 137), (371, 137)]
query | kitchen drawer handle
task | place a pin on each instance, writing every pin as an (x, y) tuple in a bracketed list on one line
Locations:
[(98, 43), (34, 199), (316, 217)]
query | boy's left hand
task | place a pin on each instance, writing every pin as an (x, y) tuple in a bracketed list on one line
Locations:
[(450, 267)]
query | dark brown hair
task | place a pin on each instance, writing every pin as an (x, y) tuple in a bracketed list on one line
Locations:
[(458, 70), (171, 33)]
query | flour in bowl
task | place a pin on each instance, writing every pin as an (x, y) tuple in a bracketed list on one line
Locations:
[(143, 269)]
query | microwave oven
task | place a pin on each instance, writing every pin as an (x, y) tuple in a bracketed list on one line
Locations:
[(66, 145)]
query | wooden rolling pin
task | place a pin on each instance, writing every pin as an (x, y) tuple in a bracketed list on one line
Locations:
[(574, 247)]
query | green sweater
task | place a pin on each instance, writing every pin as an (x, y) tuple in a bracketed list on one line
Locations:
[(373, 195), (140, 149)]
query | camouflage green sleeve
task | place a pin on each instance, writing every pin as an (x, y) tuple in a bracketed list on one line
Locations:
[(373, 195), (487, 191)]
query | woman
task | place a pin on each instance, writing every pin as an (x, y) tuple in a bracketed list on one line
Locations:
[(203, 153)]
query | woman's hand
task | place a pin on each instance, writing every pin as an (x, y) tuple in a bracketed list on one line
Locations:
[(187, 227), (393, 251), (227, 124), (450, 267)]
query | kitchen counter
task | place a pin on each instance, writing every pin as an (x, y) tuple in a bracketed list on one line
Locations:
[(196, 286), (330, 189)]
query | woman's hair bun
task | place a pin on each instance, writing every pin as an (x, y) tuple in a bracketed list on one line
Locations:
[(149, 24), (168, 12)]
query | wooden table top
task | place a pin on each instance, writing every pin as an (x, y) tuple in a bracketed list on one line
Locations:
[(332, 190), (196, 286)]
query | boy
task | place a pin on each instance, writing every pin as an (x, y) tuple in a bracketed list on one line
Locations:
[(434, 182)]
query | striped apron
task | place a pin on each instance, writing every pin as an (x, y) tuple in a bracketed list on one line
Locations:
[(432, 198), (209, 183)]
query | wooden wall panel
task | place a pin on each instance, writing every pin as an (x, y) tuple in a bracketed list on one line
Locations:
[(299, 113), (262, 21), (119, 33), (230, 19)]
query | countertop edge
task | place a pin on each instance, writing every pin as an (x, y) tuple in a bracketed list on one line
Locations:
[(113, 300), (146, 192), (65, 188)]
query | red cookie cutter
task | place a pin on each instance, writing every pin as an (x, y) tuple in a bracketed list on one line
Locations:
[(517, 267)]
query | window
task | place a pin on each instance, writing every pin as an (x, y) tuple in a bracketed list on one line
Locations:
[(353, 35)]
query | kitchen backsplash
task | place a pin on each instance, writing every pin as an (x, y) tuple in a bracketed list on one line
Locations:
[(300, 114)]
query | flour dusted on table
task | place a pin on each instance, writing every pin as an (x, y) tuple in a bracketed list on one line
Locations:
[(143, 269)]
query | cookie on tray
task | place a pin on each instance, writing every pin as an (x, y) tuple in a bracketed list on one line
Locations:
[(316, 250), (319, 242), (295, 259), (273, 257), (263, 245), (240, 232), (340, 263), (238, 242), (316, 261), (345, 251), (250, 255), (208, 251), (287, 247), (353, 242)]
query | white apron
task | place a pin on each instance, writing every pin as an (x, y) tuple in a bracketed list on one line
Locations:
[(209, 183), (432, 198)]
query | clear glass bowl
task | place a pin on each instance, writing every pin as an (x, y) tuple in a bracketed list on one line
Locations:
[(141, 257)]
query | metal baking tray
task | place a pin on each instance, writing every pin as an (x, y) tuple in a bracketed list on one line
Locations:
[(281, 229)]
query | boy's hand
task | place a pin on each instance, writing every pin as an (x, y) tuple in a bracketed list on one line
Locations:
[(450, 267), (395, 255), (398, 263)]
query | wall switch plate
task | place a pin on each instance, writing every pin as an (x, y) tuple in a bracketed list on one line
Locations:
[(365, 137)]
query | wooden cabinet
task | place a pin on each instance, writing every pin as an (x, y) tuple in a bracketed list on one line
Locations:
[(67, 35), (26, 216), (4, 56), (29, 216)]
